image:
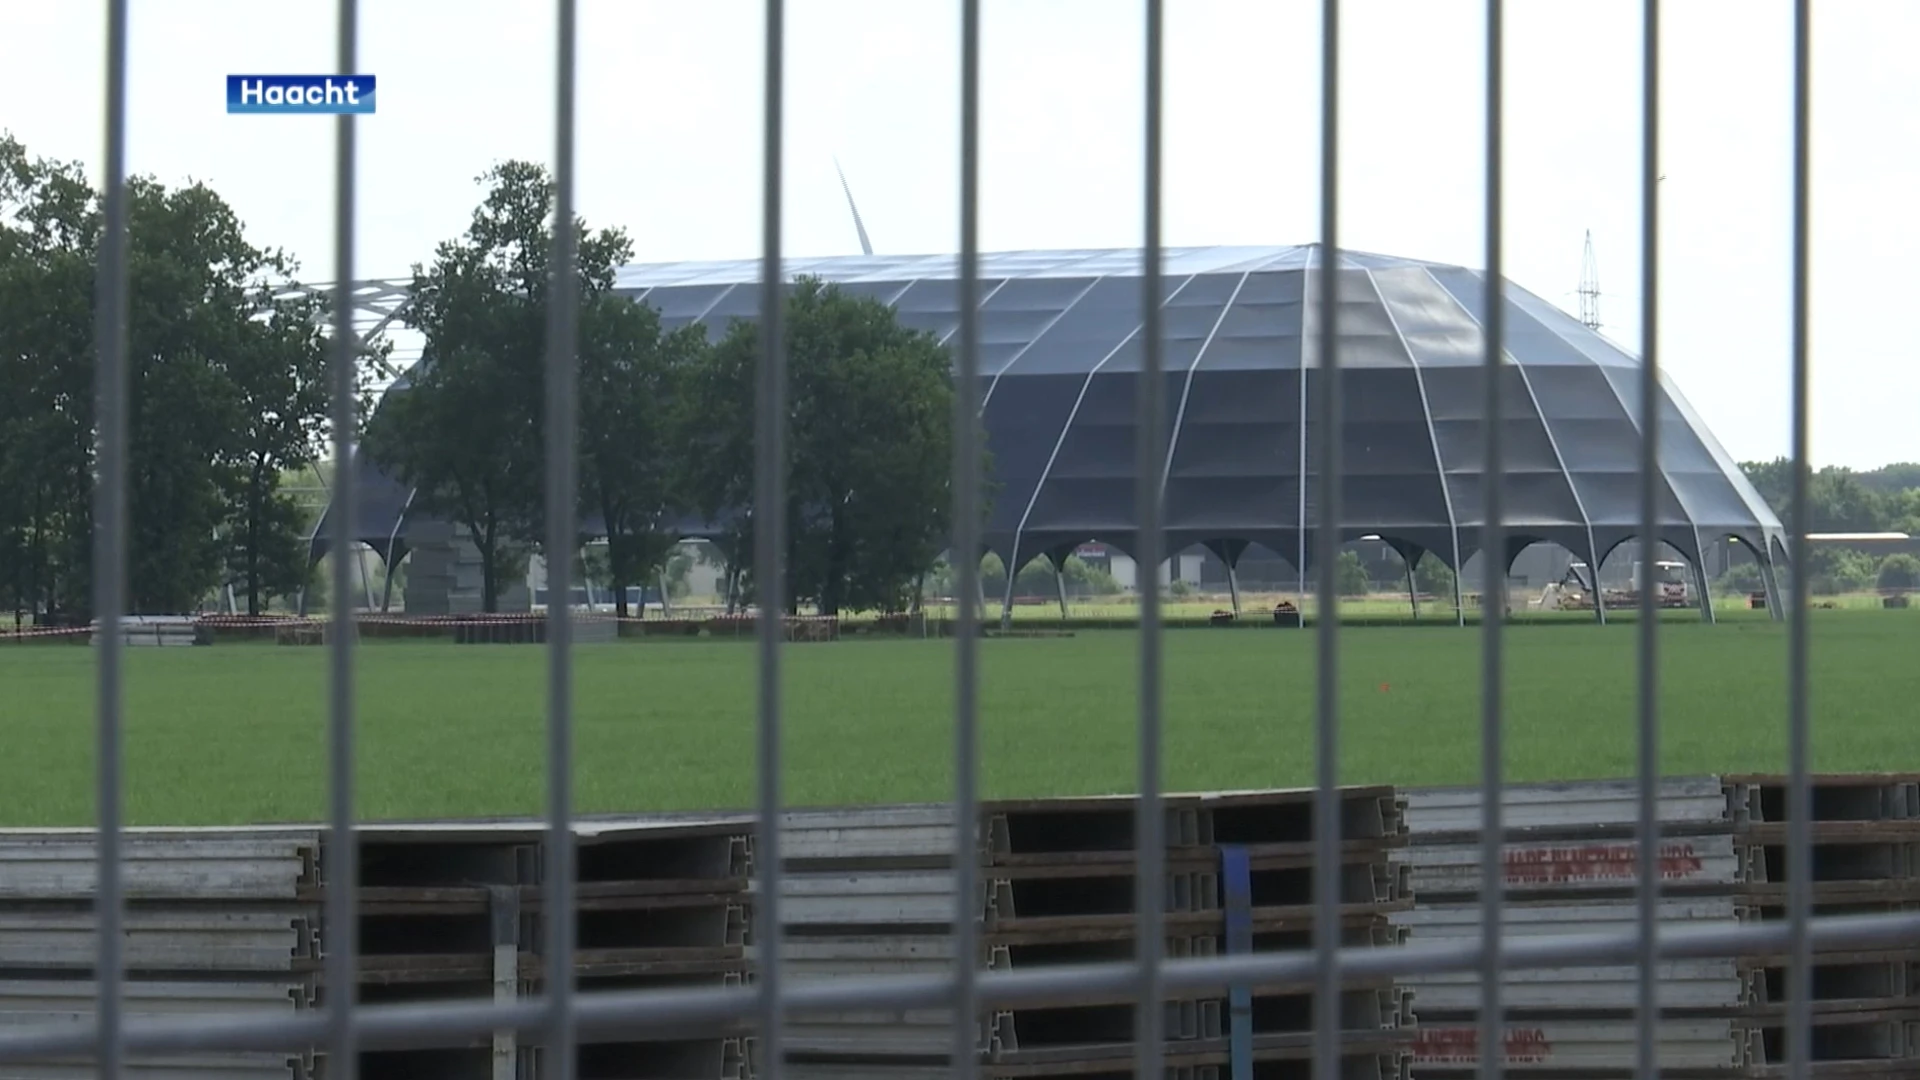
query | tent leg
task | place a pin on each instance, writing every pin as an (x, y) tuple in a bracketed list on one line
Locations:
[(1706, 594), (1413, 594), (1459, 601), (1233, 587), (1770, 581), (1301, 587), (1060, 586), (666, 598), (366, 583), (386, 591), (1599, 596)]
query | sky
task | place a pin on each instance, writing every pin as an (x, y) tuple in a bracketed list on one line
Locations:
[(670, 134)]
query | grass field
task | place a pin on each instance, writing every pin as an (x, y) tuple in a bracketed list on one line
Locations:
[(234, 733)]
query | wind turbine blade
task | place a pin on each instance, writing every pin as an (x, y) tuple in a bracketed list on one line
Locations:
[(866, 246)]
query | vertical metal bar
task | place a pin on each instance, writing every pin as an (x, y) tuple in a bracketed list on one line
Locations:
[(1149, 820), (563, 328), (343, 852), (770, 539), (1799, 788), (1326, 795), (1648, 1017), (110, 545), (1493, 552), (966, 560)]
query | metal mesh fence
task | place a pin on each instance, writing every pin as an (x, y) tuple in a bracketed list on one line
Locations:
[(561, 1016)]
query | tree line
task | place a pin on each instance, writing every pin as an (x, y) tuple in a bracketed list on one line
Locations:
[(1841, 500), (229, 396)]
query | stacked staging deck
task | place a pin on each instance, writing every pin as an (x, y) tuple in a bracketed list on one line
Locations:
[(225, 920), (233, 920), (871, 892), (1570, 866)]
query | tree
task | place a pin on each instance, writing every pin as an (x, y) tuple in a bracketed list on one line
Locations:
[(278, 370), (870, 421), (200, 367), (1833, 571), (1742, 579), (1903, 510), (1350, 575), (267, 551), (1773, 480), (1899, 573), (49, 218), (1035, 579), (1900, 476), (1089, 578), (1432, 576), (631, 374), (467, 433), (1839, 500)]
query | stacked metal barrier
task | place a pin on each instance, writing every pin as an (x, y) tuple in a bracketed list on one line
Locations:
[(869, 892), (1866, 859), (232, 919), (1570, 868), (215, 922), (220, 920)]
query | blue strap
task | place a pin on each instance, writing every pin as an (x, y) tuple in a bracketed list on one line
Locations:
[(1236, 878)]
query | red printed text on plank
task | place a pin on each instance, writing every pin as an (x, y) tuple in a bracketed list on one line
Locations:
[(1461, 1046), (1595, 862)]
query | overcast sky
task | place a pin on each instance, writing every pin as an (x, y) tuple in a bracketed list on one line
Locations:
[(670, 135)]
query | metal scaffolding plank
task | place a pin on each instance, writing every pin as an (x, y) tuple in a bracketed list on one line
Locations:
[(1581, 806), (229, 940)]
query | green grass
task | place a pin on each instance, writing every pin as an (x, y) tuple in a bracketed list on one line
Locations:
[(235, 733)]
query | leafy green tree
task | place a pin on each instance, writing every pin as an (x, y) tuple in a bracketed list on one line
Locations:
[(1903, 510), (199, 359), (1742, 579), (278, 371), (1432, 576), (631, 375), (870, 422), (1899, 572), (1773, 480), (1835, 571), (267, 553), (1839, 500), (467, 432), (49, 219), (1893, 479), (1350, 575), (46, 406), (1089, 578), (1036, 578)]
